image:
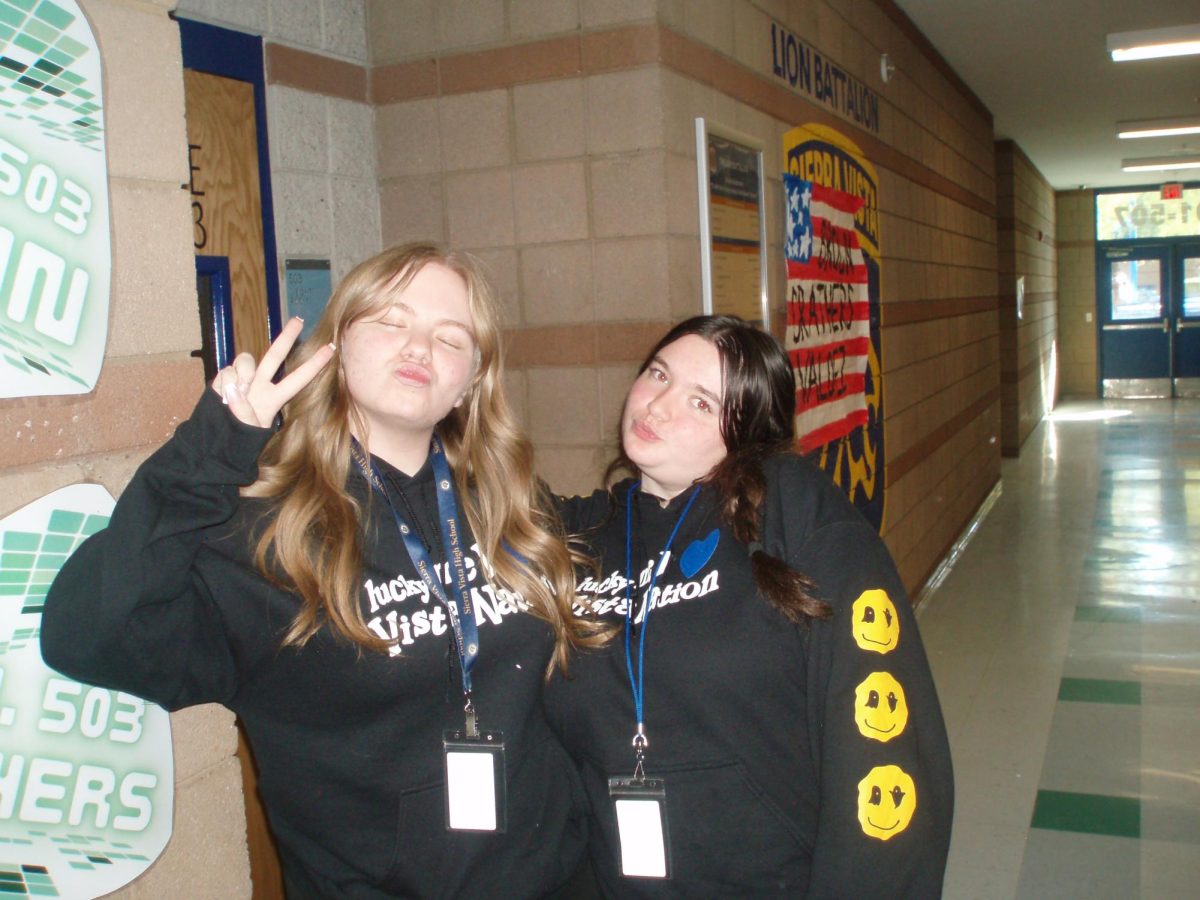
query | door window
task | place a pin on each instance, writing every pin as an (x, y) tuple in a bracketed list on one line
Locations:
[(1136, 289), (1191, 287)]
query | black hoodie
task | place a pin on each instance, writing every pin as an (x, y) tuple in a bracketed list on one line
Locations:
[(167, 603), (777, 741)]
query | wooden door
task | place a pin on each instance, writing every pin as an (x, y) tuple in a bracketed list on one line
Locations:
[(226, 206)]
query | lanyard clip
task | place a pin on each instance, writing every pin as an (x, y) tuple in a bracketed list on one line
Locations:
[(472, 719), (640, 743)]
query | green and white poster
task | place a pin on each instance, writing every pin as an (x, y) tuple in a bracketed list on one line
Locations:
[(87, 777), (55, 250)]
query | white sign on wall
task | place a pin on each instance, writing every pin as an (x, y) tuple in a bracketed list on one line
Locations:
[(55, 251), (87, 777)]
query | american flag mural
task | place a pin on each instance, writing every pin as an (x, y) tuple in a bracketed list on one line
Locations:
[(828, 312)]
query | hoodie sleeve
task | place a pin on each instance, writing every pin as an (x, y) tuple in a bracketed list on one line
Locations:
[(878, 741), (130, 609)]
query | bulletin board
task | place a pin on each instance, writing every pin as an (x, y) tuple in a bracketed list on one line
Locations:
[(733, 227)]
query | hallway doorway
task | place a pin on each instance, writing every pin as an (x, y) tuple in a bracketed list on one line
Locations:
[(1150, 320), (1148, 293)]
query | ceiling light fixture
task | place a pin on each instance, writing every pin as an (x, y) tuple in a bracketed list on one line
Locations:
[(1148, 128), (1154, 43), (1160, 163)]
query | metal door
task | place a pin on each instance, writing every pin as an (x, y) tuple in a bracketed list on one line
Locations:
[(1135, 332), (1186, 319)]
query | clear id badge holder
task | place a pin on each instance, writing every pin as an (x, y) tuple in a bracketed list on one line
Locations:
[(641, 808), (476, 798)]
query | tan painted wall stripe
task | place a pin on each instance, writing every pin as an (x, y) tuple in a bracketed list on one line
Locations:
[(621, 48), (505, 66), (480, 70), (104, 421), (315, 73), (404, 81), (913, 311), (582, 345)]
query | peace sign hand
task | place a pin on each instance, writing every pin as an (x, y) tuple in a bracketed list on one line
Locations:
[(247, 388)]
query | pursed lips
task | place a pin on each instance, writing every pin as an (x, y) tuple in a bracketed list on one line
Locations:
[(413, 375), (644, 431)]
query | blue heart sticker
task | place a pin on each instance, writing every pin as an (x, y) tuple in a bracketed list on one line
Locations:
[(698, 553)]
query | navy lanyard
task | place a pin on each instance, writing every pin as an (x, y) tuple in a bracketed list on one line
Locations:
[(458, 605), (637, 684)]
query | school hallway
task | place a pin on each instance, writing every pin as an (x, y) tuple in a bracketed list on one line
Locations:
[(1065, 642)]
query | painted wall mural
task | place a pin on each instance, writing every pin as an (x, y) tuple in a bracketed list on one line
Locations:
[(833, 258), (55, 251)]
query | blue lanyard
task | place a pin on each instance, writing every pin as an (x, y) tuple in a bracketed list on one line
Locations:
[(459, 608), (638, 683)]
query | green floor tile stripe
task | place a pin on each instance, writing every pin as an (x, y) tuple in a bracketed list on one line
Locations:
[(1109, 615), (1100, 690), (1088, 814)]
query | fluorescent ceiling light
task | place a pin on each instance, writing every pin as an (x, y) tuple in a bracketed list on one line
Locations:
[(1154, 43), (1160, 163), (1147, 128)]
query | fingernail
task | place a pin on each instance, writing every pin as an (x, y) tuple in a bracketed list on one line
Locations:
[(299, 319), (227, 393), (333, 346)]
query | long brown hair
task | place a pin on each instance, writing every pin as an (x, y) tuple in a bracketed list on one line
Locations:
[(314, 534), (757, 421)]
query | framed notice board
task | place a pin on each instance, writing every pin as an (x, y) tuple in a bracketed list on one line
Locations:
[(733, 228)]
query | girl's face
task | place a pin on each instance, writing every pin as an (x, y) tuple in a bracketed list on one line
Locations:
[(407, 367), (671, 427)]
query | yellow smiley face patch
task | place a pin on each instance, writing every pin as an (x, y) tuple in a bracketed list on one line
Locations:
[(880, 710), (887, 799), (876, 625)]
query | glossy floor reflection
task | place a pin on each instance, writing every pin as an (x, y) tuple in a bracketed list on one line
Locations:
[(1065, 641)]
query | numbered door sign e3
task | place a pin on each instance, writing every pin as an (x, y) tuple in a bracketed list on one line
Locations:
[(87, 778), (55, 250)]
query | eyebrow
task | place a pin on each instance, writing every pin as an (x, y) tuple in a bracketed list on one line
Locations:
[(696, 386), (404, 307)]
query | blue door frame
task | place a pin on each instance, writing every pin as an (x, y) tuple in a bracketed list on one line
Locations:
[(216, 313)]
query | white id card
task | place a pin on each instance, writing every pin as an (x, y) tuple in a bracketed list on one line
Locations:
[(641, 808), (475, 790)]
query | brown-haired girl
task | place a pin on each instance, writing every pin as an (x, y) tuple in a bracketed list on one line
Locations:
[(768, 726)]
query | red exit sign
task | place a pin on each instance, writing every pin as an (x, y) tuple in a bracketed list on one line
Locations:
[(1172, 191)]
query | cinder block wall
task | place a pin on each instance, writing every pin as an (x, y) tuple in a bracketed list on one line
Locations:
[(1029, 351), (148, 384), (1078, 361), (556, 140)]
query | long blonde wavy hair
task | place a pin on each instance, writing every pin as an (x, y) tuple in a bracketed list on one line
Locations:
[(313, 540)]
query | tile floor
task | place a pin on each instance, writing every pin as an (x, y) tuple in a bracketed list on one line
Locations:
[(1065, 642)]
